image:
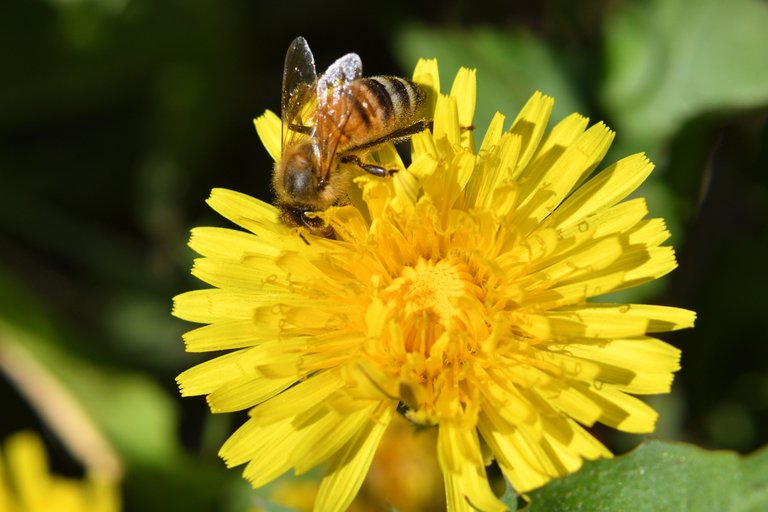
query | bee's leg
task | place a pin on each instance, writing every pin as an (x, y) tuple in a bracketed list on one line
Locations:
[(404, 133), (424, 125), (396, 136), (374, 169), (400, 135)]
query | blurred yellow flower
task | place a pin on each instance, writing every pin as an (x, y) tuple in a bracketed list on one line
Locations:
[(404, 474), (26, 485), (455, 292)]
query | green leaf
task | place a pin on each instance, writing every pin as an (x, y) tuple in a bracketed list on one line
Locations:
[(662, 476), (509, 498), (668, 62), (511, 66)]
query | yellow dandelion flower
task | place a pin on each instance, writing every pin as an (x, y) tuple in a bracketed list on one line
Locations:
[(26, 485), (456, 293)]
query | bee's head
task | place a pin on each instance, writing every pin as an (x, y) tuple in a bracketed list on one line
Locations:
[(298, 179)]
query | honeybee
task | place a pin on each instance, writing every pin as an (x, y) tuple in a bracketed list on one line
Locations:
[(328, 121)]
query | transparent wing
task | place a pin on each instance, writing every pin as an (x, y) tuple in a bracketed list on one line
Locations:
[(299, 81), (334, 104)]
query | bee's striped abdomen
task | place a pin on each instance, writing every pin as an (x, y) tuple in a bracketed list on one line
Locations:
[(374, 108), (401, 98), (375, 94), (370, 111)]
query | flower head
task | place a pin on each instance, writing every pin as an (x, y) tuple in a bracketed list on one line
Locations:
[(456, 292)]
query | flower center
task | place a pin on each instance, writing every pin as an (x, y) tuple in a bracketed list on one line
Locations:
[(433, 291), (438, 309)]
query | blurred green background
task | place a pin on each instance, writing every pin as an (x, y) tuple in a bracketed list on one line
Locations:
[(118, 116)]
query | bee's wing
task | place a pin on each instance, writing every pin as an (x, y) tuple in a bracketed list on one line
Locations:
[(335, 102), (299, 80), (345, 70)]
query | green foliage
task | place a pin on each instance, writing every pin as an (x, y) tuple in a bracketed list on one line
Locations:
[(667, 62), (661, 476)]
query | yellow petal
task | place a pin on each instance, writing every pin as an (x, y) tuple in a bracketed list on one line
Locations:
[(252, 214), (249, 439), (427, 75), (303, 396), (466, 483), (262, 360), (464, 89), (269, 127), (227, 335), (447, 131), (491, 186), (254, 274), (530, 125), (327, 435), (493, 132), (604, 190), (553, 177), (272, 456), (607, 321), (625, 412), (228, 243), (28, 462), (346, 473), (246, 391)]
